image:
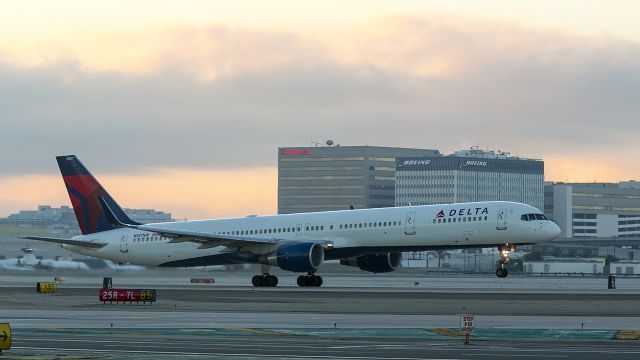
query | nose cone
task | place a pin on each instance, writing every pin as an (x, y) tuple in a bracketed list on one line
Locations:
[(552, 230)]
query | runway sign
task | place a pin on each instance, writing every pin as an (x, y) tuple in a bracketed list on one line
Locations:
[(128, 295), (466, 322), (47, 287), (5, 336)]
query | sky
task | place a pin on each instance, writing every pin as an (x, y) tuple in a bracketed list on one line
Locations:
[(181, 106)]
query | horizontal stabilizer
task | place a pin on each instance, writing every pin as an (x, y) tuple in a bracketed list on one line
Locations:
[(87, 244)]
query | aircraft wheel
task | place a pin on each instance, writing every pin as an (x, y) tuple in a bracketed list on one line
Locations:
[(256, 280), (272, 280), (317, 281), (302, 280)]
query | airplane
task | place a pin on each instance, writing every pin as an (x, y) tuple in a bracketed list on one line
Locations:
[(370, 239)]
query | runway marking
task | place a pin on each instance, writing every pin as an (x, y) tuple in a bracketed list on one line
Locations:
[(264, 332), (142, 343), (279, 356), (521, 355)]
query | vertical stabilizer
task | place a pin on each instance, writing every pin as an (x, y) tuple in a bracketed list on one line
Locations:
[(88, 198)]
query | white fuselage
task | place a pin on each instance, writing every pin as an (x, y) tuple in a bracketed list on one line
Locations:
[(350, 233)]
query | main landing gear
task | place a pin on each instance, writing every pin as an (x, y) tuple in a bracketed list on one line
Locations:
[(501, 271), (264, 280), (310, 280)]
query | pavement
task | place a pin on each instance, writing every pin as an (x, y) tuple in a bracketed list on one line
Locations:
[(353, 317)]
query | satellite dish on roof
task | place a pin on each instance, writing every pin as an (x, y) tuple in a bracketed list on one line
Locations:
[(329, 142)]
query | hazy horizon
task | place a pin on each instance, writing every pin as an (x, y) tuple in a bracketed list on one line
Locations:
[(181, 107)]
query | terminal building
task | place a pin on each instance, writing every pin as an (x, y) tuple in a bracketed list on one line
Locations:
[(468, 176), (335, 177), (604, 210)]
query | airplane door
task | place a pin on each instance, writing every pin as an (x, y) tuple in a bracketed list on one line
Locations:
[(124, 247), (502, 219), (409, 224)]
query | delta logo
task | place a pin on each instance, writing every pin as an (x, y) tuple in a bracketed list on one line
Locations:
[(464, 212)]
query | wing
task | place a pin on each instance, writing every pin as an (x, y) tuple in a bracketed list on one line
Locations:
[(209, 240), (205, 239), (87, 244)]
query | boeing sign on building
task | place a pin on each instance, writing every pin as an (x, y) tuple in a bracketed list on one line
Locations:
[(467, 176)]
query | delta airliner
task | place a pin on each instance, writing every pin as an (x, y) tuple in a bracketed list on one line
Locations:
[(370, 239)]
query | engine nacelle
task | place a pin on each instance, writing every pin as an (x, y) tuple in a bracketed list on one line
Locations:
[(297, 257), (376, 263)]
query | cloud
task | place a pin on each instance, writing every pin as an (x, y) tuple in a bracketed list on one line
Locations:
[(219, 97)]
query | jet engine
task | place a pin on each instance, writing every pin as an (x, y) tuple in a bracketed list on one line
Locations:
[(376, 263), (297, 257)]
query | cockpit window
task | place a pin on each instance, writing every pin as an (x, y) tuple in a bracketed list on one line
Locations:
[(533, 217)]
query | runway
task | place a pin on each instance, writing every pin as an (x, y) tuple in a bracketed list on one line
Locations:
[(573, 318), (152, 345)]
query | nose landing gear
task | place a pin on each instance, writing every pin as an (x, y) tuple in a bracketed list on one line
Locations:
[(501, 271)]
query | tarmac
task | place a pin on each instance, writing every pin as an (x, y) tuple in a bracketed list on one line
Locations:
[(352, 317)]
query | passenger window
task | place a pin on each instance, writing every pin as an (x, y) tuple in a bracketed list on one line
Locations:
[(454, 219), (322, 227), (434, 221), (340, 226), (306, 228), (485, 218)]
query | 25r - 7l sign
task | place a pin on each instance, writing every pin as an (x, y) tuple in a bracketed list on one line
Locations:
[(127, 295)]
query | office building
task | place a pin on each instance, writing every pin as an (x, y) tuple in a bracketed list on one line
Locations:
[(468, 176), (594, 209), (337, 177)]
